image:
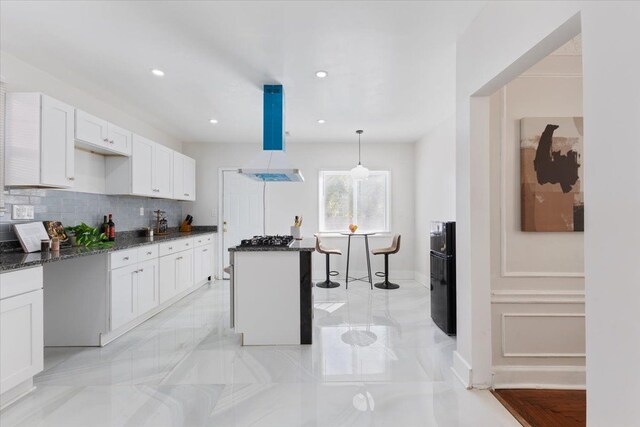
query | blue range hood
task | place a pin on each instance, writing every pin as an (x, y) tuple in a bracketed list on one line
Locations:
[(272, 165)]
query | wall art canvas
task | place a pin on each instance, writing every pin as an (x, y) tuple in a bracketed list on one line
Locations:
[(551, 174)]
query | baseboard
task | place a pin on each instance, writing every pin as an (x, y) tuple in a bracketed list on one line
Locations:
[(16, 393), (422, 278), (547, 377), (461, 370)]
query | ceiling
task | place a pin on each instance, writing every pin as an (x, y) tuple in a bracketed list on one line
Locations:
[(391, 64)]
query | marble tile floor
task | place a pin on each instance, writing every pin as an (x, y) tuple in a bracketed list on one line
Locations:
[(377, 360)]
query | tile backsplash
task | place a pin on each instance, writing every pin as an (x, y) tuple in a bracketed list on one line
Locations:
[(72, 208)]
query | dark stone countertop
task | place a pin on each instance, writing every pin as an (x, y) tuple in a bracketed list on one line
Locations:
[(304, 245), (18, 259)]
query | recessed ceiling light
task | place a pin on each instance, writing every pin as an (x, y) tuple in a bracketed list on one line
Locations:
[(213, 121), (321, 74), (321, 121), (157, 72)]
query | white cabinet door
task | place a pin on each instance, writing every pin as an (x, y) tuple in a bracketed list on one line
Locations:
[(123, 295), (21, 339), (207, 261), (189, 173), (119, 140), (198, 267), (92, 130), (203, 263), (147, 286), (178, 176), (142, 167), (162, 171), (57, 149), (185, 270), (168, 276)]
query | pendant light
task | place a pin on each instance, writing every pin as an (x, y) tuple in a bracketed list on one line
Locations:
[(359, 172)]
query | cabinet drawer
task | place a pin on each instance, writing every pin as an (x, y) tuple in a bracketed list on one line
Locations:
[(123, 258), (175, 246), (147, 252), (203, 240), (20, 282)]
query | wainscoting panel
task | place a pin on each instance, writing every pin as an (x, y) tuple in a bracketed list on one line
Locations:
[(543, 335)]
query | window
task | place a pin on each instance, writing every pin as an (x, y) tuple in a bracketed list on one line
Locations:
[(344, 201)]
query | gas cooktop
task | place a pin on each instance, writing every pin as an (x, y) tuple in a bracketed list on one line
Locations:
[(267, 241)]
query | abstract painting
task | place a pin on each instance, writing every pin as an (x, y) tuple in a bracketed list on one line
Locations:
[(551, 174)]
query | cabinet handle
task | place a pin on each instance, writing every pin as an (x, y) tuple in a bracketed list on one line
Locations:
[(111, 141), (205, 250), (186, 194), (71, 178), (170, 248), (141, 270), (149, 253), (105, 139), (125, 258), (186, 244)]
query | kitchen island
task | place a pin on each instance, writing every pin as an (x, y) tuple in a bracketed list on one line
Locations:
[(272, 300)]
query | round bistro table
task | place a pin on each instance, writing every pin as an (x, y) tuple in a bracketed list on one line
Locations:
[(366, 246)]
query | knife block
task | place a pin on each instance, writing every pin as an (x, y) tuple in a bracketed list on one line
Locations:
[(185, 228)]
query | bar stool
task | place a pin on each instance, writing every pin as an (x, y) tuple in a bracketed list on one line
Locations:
[(328, 252), (393, 249)]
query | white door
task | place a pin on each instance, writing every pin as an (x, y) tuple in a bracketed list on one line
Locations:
[(92, 130), (123, 295), (168, 276), (147, 286), (142, 167), (57, 161), (189, 172), (243, 211), (163, 171), (179, 192), (21, 339), (119, 140)]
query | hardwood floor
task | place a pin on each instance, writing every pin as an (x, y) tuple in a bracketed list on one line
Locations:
[(546, 408)]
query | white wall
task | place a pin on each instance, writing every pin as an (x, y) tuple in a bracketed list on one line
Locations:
[(435, 188), (90, 168), (537, 279), (506, 39), (285, 200)]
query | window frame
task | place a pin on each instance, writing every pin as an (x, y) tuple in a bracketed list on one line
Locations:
[(321, 212)]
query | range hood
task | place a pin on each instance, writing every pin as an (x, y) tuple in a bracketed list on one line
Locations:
[(271, 165)]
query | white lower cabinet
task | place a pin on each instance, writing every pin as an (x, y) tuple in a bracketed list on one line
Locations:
[(123, 295), (134, 291), (203, 263), (148, 291), (21, 328), (176, 273)]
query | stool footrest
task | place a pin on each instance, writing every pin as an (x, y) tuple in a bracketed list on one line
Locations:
[(334, 273), (379, 273)]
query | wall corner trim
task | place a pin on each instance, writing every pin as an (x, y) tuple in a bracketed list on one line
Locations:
[(461, 370)]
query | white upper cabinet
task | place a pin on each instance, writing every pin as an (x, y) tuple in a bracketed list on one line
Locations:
[(100, 136), (142, 167), (120, 139), (163, 171), (184, 177), (148, 172), (39, 146)]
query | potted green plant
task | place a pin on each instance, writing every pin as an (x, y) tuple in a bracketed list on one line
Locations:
[(85, 235)]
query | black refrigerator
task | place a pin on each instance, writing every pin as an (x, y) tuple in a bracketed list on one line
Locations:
[(443, 275)]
